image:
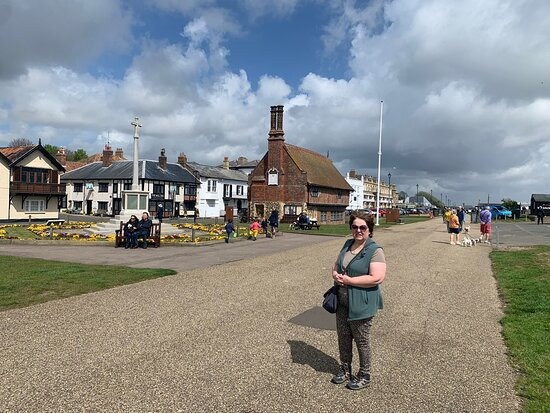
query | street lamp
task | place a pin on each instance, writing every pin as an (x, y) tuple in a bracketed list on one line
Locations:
[(389, 186), (416, 194)]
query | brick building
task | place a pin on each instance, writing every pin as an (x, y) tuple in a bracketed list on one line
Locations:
[(293, 179)]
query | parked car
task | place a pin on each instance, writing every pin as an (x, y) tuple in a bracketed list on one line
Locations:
[(498, 211)]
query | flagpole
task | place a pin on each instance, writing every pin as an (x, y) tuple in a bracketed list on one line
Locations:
[(379, 164)]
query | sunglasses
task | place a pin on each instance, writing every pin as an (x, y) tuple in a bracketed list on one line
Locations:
[(362, 228)]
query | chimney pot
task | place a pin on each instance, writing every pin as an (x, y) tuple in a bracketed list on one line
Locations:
[(119, 153), (107, 156), (182, 159), (225, 162), (163, 161), (61, 156), (352, 173)]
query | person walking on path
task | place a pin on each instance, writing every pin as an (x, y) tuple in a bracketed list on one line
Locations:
[(454, 228), (144, 228), (540, 216), (461, 218), (359, 270), (274, 222), (229, 229), (254, 229), (447, 217), (485, 226), (160, 213)]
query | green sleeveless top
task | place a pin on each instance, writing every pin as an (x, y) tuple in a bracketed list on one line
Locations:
[(362, 302)]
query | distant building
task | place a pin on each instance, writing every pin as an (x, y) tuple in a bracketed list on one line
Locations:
[(97, 187), (242, 164), (356, 198), (29, 183), (540, 201), (221, 187), (294, 180)]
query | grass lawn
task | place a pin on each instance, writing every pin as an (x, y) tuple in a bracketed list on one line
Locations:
[(343, 229), (21, 232), (524, 282), (27, 281)]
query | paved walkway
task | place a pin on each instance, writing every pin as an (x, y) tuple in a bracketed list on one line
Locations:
[(238, 337), (179, 258)]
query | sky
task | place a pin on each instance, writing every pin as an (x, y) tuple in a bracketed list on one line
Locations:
[(465, 85)]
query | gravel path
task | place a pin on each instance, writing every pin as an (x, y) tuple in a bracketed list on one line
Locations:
[(219, 338)]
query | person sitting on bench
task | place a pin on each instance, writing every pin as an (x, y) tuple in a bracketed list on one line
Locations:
[(144, 228), (131, 229)]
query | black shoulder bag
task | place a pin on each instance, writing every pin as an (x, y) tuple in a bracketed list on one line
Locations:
[(330, 303)]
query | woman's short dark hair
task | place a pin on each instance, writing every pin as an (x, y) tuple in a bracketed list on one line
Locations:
[(365, 217)]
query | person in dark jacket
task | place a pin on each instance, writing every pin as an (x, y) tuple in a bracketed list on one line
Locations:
[(461, 218), (144, 228), (274, 222), (540, 216), (160, 212), (359, 270), (229, 229), (131, 229), (265, 223)]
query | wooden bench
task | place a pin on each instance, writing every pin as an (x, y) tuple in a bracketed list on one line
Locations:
[(154, 236), (55, 221)]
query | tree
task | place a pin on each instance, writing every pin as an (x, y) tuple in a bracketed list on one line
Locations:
[(510, 203), (20, 142), (402, 195), (51, 149), (78, 155)]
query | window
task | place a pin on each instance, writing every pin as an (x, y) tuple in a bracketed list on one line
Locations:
[(314, 192), (227, 190), (77, 187), (190, 190), (158, 189), (35, 205), (103, 187), (35, 175), (177, 190), (240, 190), (77, 205), (127, 186), (336, 216), (323, 216), (102, 206), (339, 194), (292, 209), (115, 187), (355, 198), (211, 185)]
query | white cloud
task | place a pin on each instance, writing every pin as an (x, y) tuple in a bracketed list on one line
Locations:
[(50, 32)]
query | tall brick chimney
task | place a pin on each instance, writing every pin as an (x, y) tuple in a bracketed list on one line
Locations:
[(182, 159), (107, 156), (276, 139), (119, 153), (163, 161), (225, 162), (61, 156)]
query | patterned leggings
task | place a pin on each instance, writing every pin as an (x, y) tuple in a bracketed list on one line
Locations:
[(358, 330)]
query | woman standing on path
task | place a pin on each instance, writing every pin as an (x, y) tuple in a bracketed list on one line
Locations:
[(454, 227), (358, 271)]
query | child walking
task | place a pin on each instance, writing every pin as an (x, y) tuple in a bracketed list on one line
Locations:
[(254, 229), (229, 229)]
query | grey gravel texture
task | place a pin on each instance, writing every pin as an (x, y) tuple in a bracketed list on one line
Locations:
[(218, 338)]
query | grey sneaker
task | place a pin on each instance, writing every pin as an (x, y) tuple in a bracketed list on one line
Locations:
[(343, 374), (360, 382)]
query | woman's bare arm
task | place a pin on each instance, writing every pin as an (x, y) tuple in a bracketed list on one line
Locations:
[(377, 273)]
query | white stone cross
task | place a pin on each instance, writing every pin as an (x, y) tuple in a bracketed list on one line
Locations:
[(136, 125)]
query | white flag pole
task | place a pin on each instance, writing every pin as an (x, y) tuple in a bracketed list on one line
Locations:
[(379, 164)]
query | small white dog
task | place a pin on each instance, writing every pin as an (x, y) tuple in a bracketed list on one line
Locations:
[(468, 241)]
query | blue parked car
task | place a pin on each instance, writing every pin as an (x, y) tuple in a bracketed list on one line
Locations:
[(498, 211)]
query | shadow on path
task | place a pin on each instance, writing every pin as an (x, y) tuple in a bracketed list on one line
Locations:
[(303, 353), (316, 317)]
